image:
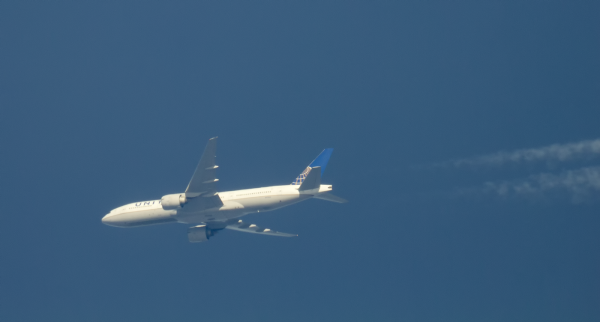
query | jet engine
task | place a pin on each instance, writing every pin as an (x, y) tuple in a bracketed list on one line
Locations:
[(200, 233), (173, 201)]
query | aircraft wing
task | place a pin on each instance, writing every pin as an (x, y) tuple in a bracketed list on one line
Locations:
[(253, 229), (204, 180)]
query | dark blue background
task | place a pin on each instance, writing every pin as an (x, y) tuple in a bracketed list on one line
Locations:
[(108, 103)]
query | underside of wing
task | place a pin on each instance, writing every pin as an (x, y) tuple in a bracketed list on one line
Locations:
[(204, 180), (201, 193), (253, 229)]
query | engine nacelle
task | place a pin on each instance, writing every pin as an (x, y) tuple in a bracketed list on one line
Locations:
[(200, 233), (173, 201)]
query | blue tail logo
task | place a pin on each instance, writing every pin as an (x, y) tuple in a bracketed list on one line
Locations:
[(320, 161)]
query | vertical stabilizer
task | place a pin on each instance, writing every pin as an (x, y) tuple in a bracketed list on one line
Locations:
[(320, 161)]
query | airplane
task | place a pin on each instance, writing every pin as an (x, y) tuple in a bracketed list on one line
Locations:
[(211, 211)]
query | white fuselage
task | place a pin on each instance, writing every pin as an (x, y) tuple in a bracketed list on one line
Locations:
[(235, 204)]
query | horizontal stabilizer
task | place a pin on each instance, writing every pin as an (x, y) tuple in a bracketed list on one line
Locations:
[(329, 197), (312, 180), (253, 229)]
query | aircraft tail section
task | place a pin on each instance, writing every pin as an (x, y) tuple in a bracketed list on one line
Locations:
[(312, 180), (320, 161)]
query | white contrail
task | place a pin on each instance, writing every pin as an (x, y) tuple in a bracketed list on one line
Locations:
[(580, 184), (552, 153)]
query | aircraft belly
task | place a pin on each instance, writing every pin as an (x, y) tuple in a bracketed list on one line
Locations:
[(238, 208), (199, 217), (228, 210), (270, 203), (142, 218)]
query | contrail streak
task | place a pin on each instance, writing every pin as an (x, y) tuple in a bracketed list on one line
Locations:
[(581, 184), (552, 153)]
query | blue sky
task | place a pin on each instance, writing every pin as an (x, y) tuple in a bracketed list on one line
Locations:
[(106, 103)]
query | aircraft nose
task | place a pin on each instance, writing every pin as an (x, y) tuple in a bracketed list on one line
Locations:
[(110, 220)]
